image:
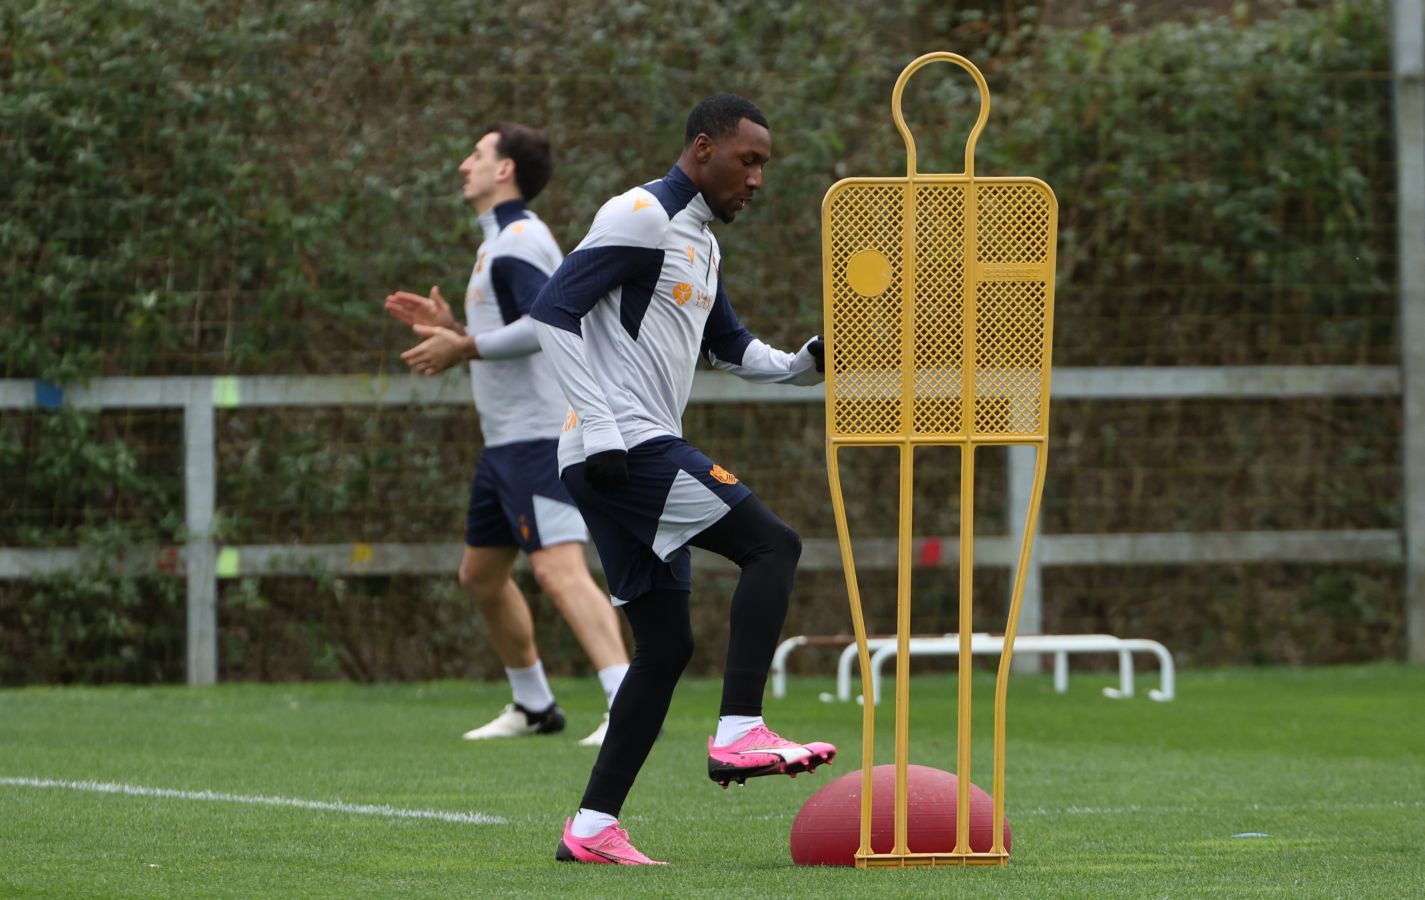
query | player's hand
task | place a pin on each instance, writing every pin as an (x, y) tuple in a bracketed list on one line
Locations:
[(413, 309), (606, 470), (441, 349), (817, 348), (808, 365)]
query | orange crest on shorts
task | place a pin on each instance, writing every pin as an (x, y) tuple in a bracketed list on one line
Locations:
[(524, 527), (722, 475)]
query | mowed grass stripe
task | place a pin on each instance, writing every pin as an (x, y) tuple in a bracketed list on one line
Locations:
[(1107, 798)]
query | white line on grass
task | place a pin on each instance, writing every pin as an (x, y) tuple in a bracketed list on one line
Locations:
[(361, 809)]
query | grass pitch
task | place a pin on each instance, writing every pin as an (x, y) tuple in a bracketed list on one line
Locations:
[(128, 792)]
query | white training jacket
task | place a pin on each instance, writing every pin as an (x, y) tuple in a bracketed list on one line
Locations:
[(515, 390), (626, 315)]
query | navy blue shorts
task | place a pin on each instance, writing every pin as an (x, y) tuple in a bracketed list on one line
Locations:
[(518, 500), (642, 528)]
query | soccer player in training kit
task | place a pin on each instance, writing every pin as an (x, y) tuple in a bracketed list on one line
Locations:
[(517, 501), (623, 320)]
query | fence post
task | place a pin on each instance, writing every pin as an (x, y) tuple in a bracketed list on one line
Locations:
[(1408, 58), (199, 477)]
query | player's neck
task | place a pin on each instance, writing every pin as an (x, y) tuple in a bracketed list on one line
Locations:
[(690, 167), (502, 193)]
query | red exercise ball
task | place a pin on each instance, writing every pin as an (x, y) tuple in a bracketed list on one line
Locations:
[(827, 830)]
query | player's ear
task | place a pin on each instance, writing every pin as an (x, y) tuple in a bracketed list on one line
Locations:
[(505, 170), (702, 148)]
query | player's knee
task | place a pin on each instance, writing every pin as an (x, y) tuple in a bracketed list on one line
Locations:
[(782, 550), (678, 650), (480, 585), (662, 631), (670, 652), (788, 545), (555, 578)]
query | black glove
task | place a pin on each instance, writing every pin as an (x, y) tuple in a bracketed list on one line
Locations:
[(817, 349), (606, 470)]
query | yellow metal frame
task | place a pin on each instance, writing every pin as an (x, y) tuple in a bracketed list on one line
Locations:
[(939, 302)]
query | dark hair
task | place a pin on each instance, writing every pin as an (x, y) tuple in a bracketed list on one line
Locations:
[(718, 115), (529, 148)]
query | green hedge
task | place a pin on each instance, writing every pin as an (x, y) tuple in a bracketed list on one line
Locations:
[(219, 188)]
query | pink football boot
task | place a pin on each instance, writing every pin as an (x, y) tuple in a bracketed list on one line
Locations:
[(763, 752), (608, 846)]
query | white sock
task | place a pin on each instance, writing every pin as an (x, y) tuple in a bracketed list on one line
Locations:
[(530, 687), (611, 678), (734, 728), (588, 823)]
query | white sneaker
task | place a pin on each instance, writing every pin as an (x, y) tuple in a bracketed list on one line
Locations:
[(514, 721), (597, 738)]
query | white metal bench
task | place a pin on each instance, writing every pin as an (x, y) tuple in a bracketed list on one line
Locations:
[(883, 648)]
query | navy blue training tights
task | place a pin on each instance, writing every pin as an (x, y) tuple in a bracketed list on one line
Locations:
[(767, 551)]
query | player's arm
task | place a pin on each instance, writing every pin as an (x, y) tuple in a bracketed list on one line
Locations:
[(621, 249), (728, 345), (517, 283)]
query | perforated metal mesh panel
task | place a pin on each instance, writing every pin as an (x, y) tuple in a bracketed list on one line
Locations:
[(912, 323), (868, 329), (1013, 223), (1009, 339), (1012, 308), (939, 308)]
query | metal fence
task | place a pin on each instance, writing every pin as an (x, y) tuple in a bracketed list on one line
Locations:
[(203, 562)]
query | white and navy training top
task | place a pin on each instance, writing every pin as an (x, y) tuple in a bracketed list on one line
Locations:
[(515, 390), (625, 317)]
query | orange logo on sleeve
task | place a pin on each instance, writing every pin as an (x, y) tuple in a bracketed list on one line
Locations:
[(640, 203), (692, 255), (517, 228), (571, 420), (722, 475), (682, 293)]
